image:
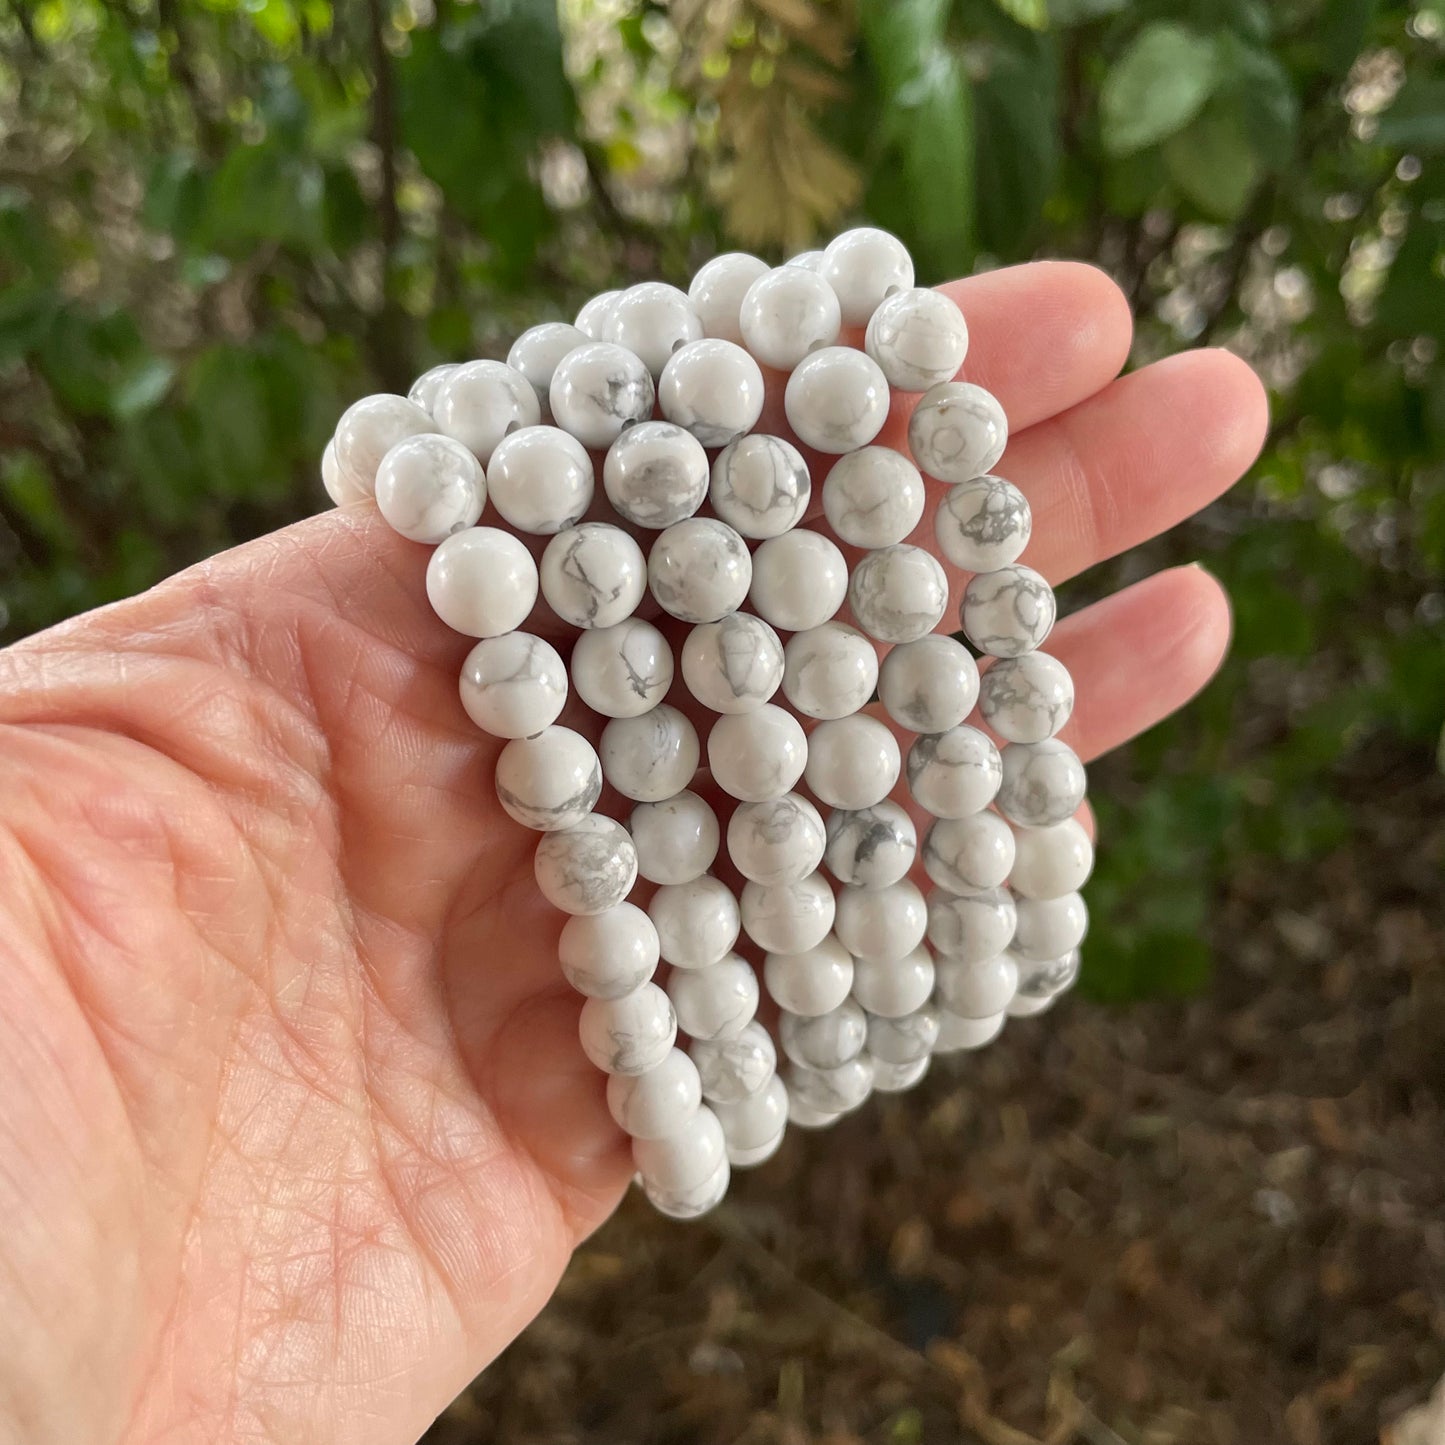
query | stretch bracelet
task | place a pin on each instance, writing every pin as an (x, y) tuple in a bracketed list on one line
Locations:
[(795, 840)]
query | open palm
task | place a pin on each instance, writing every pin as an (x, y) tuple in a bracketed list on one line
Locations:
[(296, 1134)]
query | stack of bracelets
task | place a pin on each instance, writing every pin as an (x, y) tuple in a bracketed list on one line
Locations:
[(871, 973)]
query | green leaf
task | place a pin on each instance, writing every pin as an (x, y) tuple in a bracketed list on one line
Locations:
[(1264, 99), (1079, 12), (1213, 162), (141, 385), (1031, 13), (1344, 27), (1416, 121), (1156, 87)]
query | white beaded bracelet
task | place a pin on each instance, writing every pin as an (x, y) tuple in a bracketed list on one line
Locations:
[(894, 920)]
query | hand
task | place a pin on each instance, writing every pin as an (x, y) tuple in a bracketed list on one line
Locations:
[(296, 1132)]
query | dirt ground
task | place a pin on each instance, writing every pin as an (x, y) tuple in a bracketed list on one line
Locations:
[(1218, 1221)]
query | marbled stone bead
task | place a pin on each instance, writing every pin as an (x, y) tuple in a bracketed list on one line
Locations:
[(829, 671), (652, 756), (676, 839), (760, 485), (832, 1091), (697, 923), (514, 685), (1046, 977), (788, 313), (1025, 1006), (893, 989), (805, 1116), (652, 320), (368, 429), (973, 927), (799, 580), (659, 1102), (881, 925), (836, 400), (810, 260), (1043, 783), (873, 497), (824, 1041), (587, 868), (1009, 612), (897, 1078), (716, 1002), (918, 337), (1049, 862), (428, 487), (871, 847), (853, 762), (753, 1127), (599, 390), (693, 1201), (482, 581), (717, 292), (983, 524), (757, 755), (810, 983), (630, 1034), (788, 918), (904, 1040), (592, 319), (957, 432), (777, 841), (929, 685), (606, 955), (624, 670), (699, 570), (898, 593), (734, 664), (970, 854), (863, 266), (685, 1158), (1050, 928), (537, 351), (593, 575), (1026, 699), (955, 1034), (655, 474), (540, 479), (549, 781), (977, 988), (341, 486), (713, 390), (481, 401), (424, 389), (735, 1069), (955, 773)]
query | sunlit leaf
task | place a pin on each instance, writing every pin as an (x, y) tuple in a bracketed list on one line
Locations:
[(1156, 87)]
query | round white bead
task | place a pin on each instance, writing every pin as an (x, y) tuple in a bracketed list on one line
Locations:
[(593, 575), (482, 581), (628, 1035), (341, 486), (977, 988), (751, 1123), (836, 400), (653, 319), (685, 1158), (777, 841), (1046, 978), (957, 432), (970, 854), (810, 260), (810, 983), (428, 487), (893, 989), (597, 391), (1026, 699), (735, 1069), (699, 570), (514, 685), (1050, 928), (896, 1078), (829, 671), (786, 314), (1049, 862), (694, 1201), (1043, 783), (424, 389), (784, 918), (716, 1002), (652, 756), (697, 923), (676, 839), (760, 485), (871, 847), (832, 1091), (904, 1040), (655, 474), (873, 497), (606, 955), (824, 1041), (863, 266), (853, 762), (1009, 612), (368, 429), (537, 351), (882, 925), (757, 755), (734, 664), (481, 401), (549, 781), (540, 479), (929, 685), (973, 927), (898, 593), (587, 868), (1025, 1006), (718, 289), (592, 319), (918, 337), (713, 390), (983, 525), (659, 1102), (956, 1034), (624, 670), (799, 580), (955, 773)]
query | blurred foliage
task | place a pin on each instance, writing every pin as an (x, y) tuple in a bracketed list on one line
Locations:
[(220, 219)]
